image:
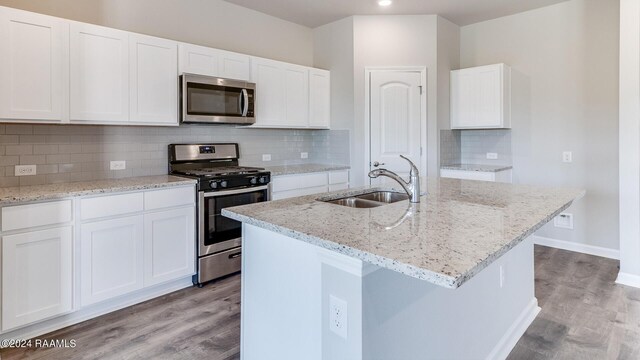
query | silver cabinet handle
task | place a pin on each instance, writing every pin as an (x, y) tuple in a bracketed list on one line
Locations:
[(376, 164)]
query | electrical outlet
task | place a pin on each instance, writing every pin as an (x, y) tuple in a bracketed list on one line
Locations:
[(266, 157), (304, 155), (338, 316), (25, 170), (492, 156), (564, 221), (567, 157), (118, 165)]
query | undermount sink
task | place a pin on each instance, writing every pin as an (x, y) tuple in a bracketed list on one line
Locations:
[(369, 200), (387, 197)]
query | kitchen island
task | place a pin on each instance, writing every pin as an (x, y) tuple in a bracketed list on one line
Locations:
[(448, 278)]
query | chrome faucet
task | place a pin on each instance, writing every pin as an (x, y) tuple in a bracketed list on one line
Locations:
[(412, 188)]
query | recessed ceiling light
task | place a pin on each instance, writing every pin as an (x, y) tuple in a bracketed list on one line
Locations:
[(384, 2)]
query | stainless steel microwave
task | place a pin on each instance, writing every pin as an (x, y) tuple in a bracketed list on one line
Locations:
[(213, 100)]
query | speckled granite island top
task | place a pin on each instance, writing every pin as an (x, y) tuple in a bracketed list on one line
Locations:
[(303, 169), (476, 167), (19, 194), (458, 228)]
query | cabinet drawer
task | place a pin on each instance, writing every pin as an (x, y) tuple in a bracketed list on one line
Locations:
[(299, 192), (338, 177), (166, 198), (292, 182), (104, 206), (33, 215), (468, 175)]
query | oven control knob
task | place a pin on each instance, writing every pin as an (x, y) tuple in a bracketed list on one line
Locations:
[(263, 179), (223, 184), (213, 184), (253, 180)]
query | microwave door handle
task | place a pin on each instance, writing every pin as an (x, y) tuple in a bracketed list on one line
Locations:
[(245, 96)]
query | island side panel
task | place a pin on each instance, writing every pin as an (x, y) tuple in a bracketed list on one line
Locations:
[(281, 297), (406, 318)]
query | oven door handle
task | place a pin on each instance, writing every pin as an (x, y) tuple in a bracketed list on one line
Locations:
[(233, 192)]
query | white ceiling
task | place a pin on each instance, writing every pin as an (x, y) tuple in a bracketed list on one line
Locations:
[(313, 13)]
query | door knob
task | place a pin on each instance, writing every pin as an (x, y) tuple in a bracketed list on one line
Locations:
[(376, 164)]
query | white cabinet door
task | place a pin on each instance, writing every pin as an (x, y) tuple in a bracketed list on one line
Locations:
[(296, 98), (36, 276), (234, 66), (169, 243), (111, 258), (481, 97), (99, 74), (34, 65), (153, 80), (319, 98), (200, 60), (270, 92)]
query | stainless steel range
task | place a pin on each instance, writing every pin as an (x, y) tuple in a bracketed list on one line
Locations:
[(221, 183)]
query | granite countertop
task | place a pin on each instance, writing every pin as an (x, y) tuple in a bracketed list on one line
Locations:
[(458, 228), (19, 194), (476, 167), (304, 168)]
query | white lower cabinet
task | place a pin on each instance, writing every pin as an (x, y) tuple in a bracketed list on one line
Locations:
[(37, 276), (504, 176), (288, 186), (111, 258), (169, 245)]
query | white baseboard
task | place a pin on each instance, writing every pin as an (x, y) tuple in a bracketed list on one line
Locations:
[(628, 279), (576, 247), (516, 330), (93, 311)]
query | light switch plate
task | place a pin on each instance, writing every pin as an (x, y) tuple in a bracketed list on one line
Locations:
[(118, 165), (25, 170), (266, 157), (492, 156), (567, 157)]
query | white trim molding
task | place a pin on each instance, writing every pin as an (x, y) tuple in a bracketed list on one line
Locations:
[(509, 340), (577, 247), (628, 279)]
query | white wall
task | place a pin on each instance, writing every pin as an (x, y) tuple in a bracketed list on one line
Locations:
[(565, 97), (629, 143), (214, 23)]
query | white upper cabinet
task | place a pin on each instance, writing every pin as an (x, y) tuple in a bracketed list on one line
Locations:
[(296, 91), (33, 67), (319, 98), (202, 60), (153, 77), (481, 97), (290, 96), (99, 74), (270, 92)]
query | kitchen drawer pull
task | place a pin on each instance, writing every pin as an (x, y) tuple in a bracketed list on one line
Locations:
[(235, 255)]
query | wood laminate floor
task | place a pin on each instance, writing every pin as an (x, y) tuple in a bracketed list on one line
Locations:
[(584, 316)]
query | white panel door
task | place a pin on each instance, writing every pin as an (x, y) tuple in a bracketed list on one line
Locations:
[(395, 117), (234, 66), (194, 59), (169, 243), (36, 276), (319, 98), (270, 94), (34, 66), (99, 74), (154, 80), (296, 96), (111, 258)]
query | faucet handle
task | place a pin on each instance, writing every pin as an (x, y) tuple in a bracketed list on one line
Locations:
[(414, 169), (376, 164)]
